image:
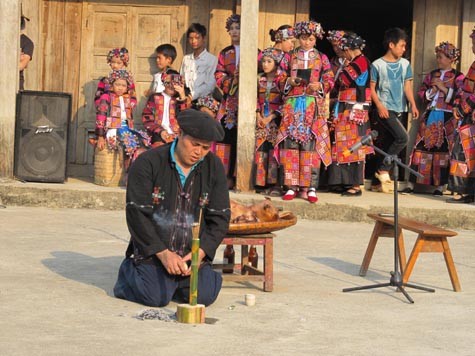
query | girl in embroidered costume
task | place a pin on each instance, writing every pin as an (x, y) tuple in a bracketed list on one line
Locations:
[(284, 41), (337, 63), (303, 133), (462, 157), (117, 58), (227, 80), (114, 121), (210, 105), (160, 113), (270, 90), (430, 157), (350, 119)]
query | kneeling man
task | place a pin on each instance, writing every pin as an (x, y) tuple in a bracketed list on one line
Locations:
[(166, 189)]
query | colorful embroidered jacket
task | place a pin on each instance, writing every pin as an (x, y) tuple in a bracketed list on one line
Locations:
[(227, 79), (465, 102), (353, 82), (453, 81), (351, 117), (152, 117), (104, 87), (319, 71), (109, 114), (270, 100)]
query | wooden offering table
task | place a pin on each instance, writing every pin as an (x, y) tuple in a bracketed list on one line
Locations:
[(248, 272), (255, 234)]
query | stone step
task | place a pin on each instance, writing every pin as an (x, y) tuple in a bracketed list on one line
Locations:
[(81, 194)]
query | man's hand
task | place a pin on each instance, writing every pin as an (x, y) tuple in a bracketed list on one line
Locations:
[(415, 112), (383, 112), (201, 255), (173, 263)]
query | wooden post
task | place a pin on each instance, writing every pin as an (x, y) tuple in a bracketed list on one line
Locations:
[(9, 74), (247, 94)]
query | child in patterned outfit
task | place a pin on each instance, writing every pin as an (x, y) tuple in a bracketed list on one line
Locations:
[(303, 133), (462, 157), (431, 154), (160, 114), (270, 90), (227, 80), (114, 121), (117, 58), (350, 117)]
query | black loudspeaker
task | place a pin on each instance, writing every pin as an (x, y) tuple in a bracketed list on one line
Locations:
[(41, 136)]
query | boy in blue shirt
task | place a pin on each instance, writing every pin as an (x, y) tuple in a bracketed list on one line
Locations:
[(391, 89)]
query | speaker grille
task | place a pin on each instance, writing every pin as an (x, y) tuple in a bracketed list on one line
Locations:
[(41, 136)]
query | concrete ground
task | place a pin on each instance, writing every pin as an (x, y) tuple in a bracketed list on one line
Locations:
[(58, 267)]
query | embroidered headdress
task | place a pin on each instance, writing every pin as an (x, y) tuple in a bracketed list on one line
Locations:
[(208, 102), (308, 28), (175, 77), (335, 36), (234, 18), (351, 41), (284, 34), (274, 53), (121, 74), (122, 53), (472, 35), (449, 50)]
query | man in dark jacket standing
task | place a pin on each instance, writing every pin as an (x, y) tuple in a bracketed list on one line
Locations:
[(26, 47), (166, 189)]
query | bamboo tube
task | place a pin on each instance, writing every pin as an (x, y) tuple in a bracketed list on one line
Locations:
[(195, 250)]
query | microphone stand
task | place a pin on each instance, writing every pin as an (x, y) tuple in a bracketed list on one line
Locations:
[(396, 279)]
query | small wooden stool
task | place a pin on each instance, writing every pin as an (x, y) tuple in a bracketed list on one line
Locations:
[(382, 229), (249, 273), (430, 239), (433, 243)]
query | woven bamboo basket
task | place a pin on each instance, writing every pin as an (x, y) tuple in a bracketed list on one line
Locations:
[(109, 168), (286, 219)]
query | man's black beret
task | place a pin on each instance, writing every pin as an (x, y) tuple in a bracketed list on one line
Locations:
[(200, 125)]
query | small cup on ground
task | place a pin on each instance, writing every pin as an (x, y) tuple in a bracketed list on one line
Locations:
[(250, 299)]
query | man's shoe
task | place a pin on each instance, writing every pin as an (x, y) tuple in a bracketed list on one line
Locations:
[(437, 193), (406, 190), (387, 185)]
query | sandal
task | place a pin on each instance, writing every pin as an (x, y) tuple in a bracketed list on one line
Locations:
[(352, 192), (275, 192), (460, 199)]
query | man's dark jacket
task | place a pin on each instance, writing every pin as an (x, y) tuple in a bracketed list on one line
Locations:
[(160, 211)]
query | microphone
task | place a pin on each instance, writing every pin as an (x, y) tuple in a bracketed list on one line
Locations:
[(365, 141)]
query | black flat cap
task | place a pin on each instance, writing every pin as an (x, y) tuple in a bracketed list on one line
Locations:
[(200, 125)]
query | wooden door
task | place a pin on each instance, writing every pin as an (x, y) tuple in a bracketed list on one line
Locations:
[(138, 28)]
